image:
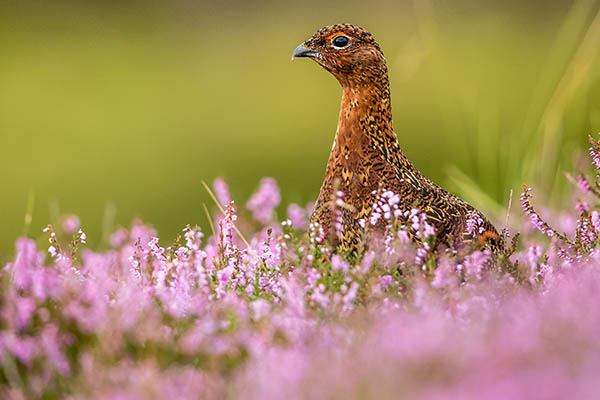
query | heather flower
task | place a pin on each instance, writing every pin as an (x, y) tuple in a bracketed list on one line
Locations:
[(298, 216), (534, 252), (366, 263), (52, 251), (312, 276), (23, 348), (445, 274), (155, 250), (260, 308), (70, 224), (583, 183), (222, 191), (375, 216), (474, 224), (534, 217), (316, 233), (403, 235), (385, 281), (544, 272), (474, 263), (226, 231), (27, 260), (582, 207), (586, 232), (50, 340), (193, 237), (224, 275), (203, 317), (82, 236), (387, 245), (385, 206), (119, 237), (338, 204), (24, 309), (419, 224), (141, 233), (595, 219), (338, 264), (264, 200), (428, 230), (421, 256), (350, 296), (320, 298), (594, 153)]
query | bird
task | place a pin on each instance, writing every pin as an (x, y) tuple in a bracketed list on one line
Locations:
[(366, 156)]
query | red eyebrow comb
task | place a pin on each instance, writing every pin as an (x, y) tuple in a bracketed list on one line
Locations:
[(335, 34)]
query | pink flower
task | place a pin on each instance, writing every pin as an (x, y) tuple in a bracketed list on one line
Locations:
[(385, 281), (583, 183), (70, 224), (474, 224), (596, 221), (260, 308), (52, 251), (350, 296), (82, 236), (475, 263), (26, 261), (222, 191), (25, 307), (298, 216), (264, 200), (23, 348), (53, 349), (338, 264), (119, 238)]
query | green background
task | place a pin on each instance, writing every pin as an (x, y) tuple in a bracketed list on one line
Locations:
[(133, 104)]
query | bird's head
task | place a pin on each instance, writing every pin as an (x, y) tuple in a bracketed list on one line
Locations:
[(349, 52)]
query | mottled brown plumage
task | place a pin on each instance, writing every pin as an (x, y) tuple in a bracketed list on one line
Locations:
[(366, 156)]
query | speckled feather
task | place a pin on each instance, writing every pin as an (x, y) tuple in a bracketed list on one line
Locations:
[(366, 155)]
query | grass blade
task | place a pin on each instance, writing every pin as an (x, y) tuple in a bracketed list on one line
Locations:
[(212, 195)]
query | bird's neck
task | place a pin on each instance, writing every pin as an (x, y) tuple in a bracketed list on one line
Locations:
[(366, 112)]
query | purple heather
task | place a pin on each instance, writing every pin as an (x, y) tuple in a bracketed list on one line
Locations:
[(291, 317)]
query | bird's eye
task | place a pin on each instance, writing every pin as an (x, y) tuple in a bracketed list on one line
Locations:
[(340, 42)]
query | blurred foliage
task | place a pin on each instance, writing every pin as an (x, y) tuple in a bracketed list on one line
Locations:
[(133, 104)]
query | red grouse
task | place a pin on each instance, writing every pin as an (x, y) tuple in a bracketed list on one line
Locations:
[(366, 156)]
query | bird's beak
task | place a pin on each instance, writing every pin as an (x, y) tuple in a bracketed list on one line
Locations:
[(302, 51)]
